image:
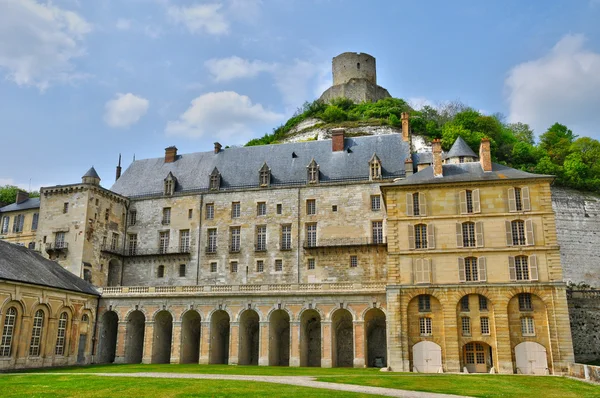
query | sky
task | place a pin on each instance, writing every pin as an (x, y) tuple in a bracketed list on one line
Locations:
[(82, 81)]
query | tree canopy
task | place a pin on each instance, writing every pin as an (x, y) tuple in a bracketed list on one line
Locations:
[(8, 194)]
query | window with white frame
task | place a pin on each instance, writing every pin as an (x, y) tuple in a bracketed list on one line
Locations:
[(235, 210), (522, 268), (425, 326), (527, 326), (518, 233), (421, 236), (311, 235), (471, 271), (210, 211), (416, 204), (235, 234), (375, 202), (132, 217), (166, 216), (278, 265), (8, 330), (311, 207), (34, 221), (114, 241), (260, 266), (468, 232), (5, 223), (233, 266), (184, 241), (466, 326), (37, 331), (261, 237), (213, 267), (311, 263), (18, 222), (377, 232), (261, 209), (163, 242), (353, 261), (286, 237), (61, 334), (132, 243), (485, 325), (518, 199), (59, 240), (211, 240)]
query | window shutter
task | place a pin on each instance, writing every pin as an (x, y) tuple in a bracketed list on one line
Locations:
[(482, 269), (479, 233), (533, 268), (463, 201), (512, 270), (422, 204), (525, 199), (476, 202), (409, 205), (512, 201), (529, 233), (509, 237), (461, 270), (459, 235), (417, 269), (411, 237), (430, 236), (426, 270)]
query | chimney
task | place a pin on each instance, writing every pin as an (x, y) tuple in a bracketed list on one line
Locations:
[(436, 147), (485, 156), (405, 126), (408, 166), (170, 154), (218, 147), (22, 196), (118, 174), (337, 139)]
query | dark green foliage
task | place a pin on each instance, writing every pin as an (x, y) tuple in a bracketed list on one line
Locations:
[(8, 194)]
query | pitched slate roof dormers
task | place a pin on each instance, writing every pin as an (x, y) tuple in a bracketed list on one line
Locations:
[(312, 172), (264, 177), (214, 182), (375, 168), (170, 184)]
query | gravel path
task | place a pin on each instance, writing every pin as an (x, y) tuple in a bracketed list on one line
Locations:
[(301, 381)]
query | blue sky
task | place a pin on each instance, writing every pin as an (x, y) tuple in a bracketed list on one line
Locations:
[(85, 80)]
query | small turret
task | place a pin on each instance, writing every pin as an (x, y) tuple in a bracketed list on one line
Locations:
[(91, 177)]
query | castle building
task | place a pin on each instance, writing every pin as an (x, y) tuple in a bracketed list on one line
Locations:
[(19, 221)]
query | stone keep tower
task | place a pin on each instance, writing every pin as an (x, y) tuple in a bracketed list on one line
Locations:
[(355, 78)]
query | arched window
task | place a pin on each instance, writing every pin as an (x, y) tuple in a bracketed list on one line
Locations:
[(215, 180), (170, 184), (8, 331), (313, 172), (160, 273), (264, 175), (36, 334), (61, 334), (375, 168)]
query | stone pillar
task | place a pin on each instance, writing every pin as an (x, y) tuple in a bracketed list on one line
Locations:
[(121, 342), (234, 342), (204, 343), (326, 349), (49, 343), (452, 349), (176, 342), (560, 328), (294, 343), (148, 342), (23, 339), (359, 344), (73, 339), (395, 355), (263, 346)]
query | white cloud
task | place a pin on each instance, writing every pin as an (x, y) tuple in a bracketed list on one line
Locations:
[(225, 115), (245, 10), (38, 42), (201, 18), (123, 24), (562, 86), (419, 103), (125, 110), (226, 69)]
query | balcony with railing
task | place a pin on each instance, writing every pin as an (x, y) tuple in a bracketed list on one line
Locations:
[(57, 247), (342, 242), (140, 252)]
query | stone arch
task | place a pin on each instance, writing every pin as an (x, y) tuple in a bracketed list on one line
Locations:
[(477, 357), (322, 315), (16, 325), (310, 337), (196, 310), (140, 309), (219, 337), (190, 337), (274, 309), (345, 307), (342, 333), (531, 358), (249, 324), (9, 302), (224, 309), (544, 295), (158, 311), (427, 357), (367, 309), (134, 336), (430, 292), (107, 347), (261, 316), (424, 324), (85, 334), (279, 337), (163, 335), (69, 310), (114, 273), (375, 338)]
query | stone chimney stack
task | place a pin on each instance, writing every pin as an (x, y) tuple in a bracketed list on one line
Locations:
[(22, 196), (485, 155), (118, 174), (218, 147), (337, 139), (405, 126), (408, 166), (436, 147), (170, 154)]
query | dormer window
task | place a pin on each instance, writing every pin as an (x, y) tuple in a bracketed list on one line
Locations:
[(264, 176), (215, 180), (375, 168), (170, 183), (313, 172)]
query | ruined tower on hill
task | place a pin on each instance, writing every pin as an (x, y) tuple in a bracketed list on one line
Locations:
[(355, 78)]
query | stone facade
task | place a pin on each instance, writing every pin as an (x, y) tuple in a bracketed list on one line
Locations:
[(19, 221), (584, 312)]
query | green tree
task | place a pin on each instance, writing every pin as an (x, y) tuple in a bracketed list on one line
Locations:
[(557, 142), (522, 132), (8, 194), (334, 114)]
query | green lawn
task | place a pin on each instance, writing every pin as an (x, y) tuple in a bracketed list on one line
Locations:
[(473, 385)]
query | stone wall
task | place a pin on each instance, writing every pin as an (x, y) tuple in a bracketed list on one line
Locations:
[(350, 65), (357, 90), (584, 312), (586, 372)]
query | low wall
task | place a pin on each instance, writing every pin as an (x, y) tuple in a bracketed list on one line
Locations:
[(586, 372)]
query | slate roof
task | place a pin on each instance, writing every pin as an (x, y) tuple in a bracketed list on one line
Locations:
[(19, 264), (460, 148), (239, 166), (467, 172), (91, 173), (31, 203), (423, 158)]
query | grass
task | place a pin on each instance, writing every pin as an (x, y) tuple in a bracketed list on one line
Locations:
[(472, 385)]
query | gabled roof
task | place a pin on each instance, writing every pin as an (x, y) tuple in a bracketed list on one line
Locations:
[(91, 173), (460, 148), (19, 264), (239, 167), (31, 203)]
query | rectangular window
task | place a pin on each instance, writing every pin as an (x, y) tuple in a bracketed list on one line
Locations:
[(5, 222), (421, 236), (184, 241), (8, 332), (279, 208), (61, 334), (424, 303), (190, 214), (519, 238), (261, 209), (353, 261), (278, 265), (36, 334), (18, 223), (464, 303), (261, 238), (377, 230), (132, 217), (311, 235), (311, 263), (65, 207), (334, 208), (522, 268), (132, 242), (233, 266), (527, 326), (211, 241), (286, 237), (485, 325), (34, 221), (518, 199), (59, 240), (425, 326), (106, 214), (182, 270), (311, 207), (466, 326), (210, 211), (468, 231), (483, 303), (260, 266), (235, 209), (375, 202), (213, 267), (164, 238), (235, 234), (525, 303), (114, 241), (415, 198), (471, 271), (166, 216), (469, 198)]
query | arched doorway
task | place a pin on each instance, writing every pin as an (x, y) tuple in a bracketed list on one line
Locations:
[(219, 338), (108, 337), (310, 339), (427, 357), (190, 337), (477, 357), (375, 338), (136, 328), (163, 334), (531, 358), (342, 338), (279, 339), (114, 273), (249, 338)]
